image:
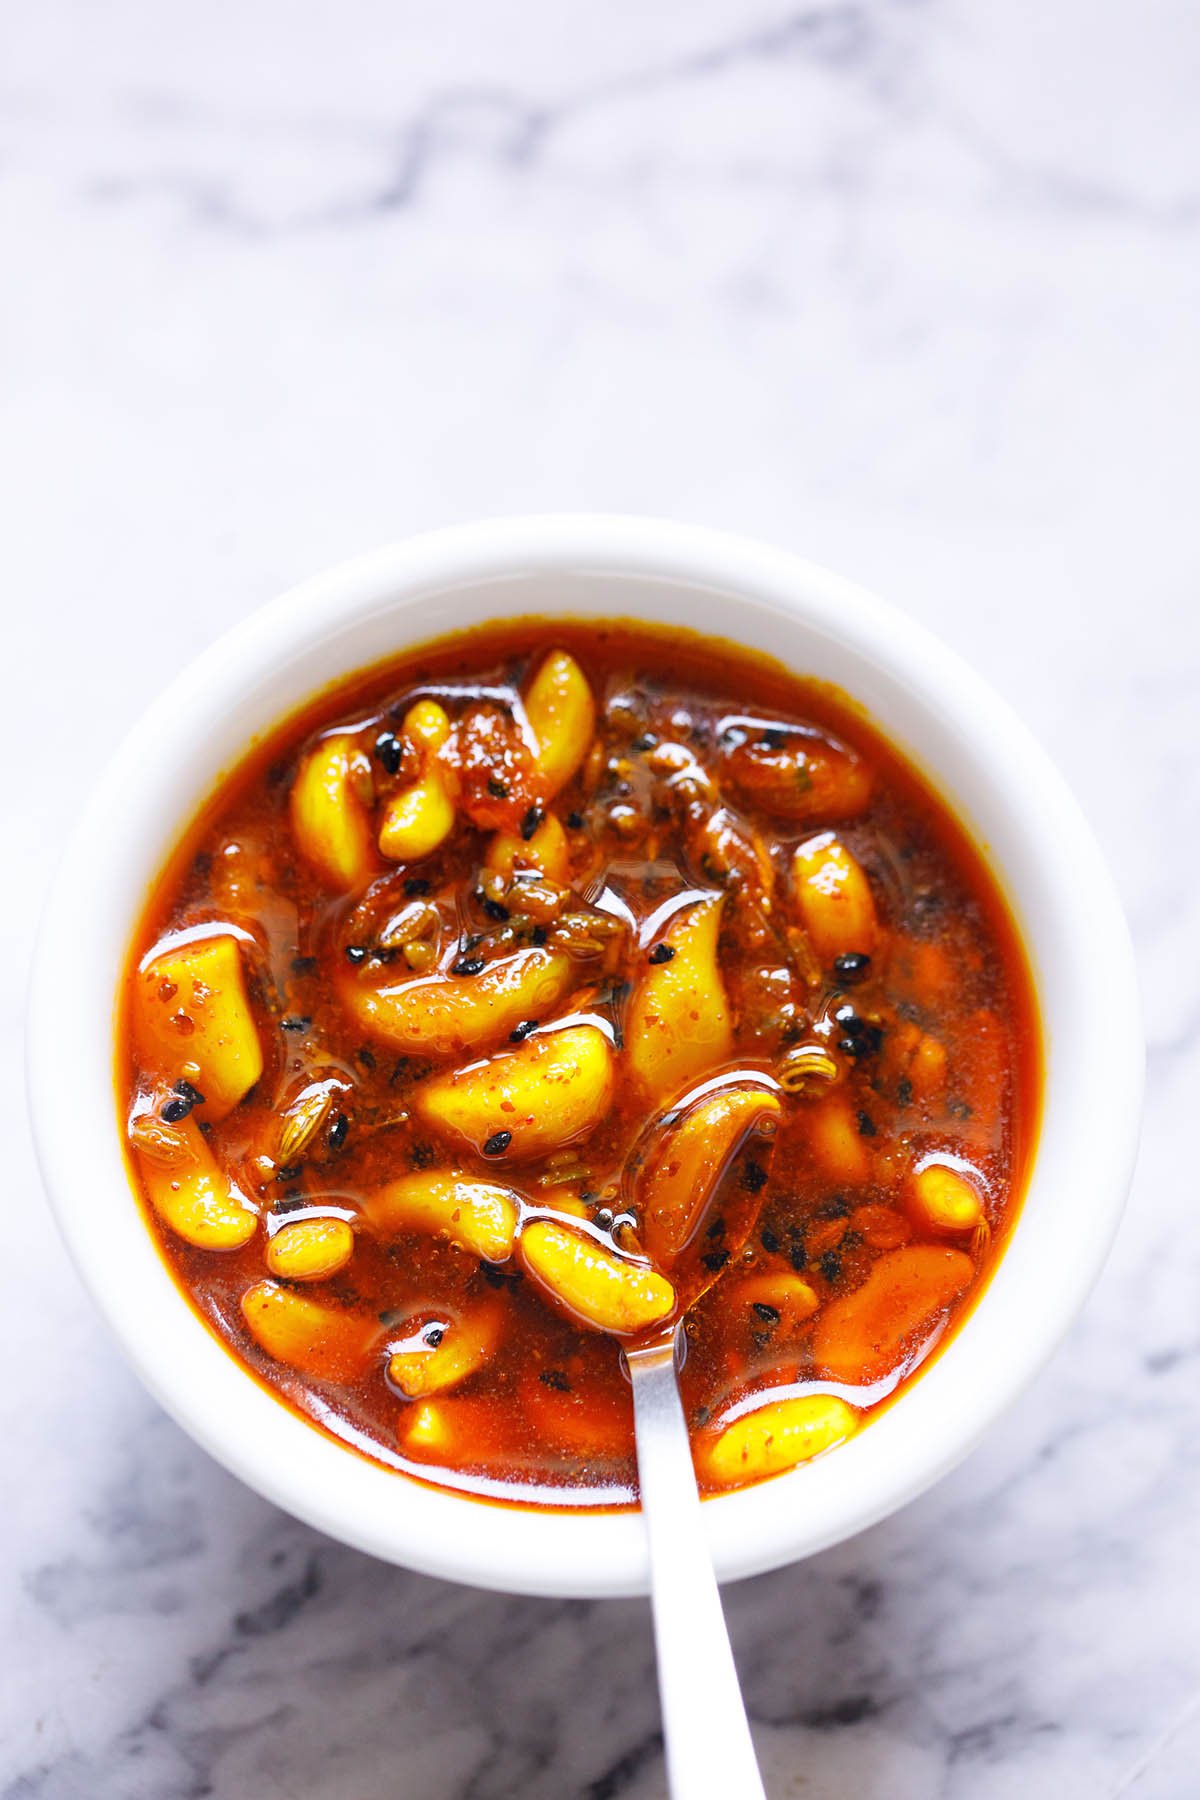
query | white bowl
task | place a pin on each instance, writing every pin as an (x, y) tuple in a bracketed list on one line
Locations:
[(933, 706)]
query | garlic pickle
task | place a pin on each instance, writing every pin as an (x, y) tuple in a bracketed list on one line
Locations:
[(562, 985)]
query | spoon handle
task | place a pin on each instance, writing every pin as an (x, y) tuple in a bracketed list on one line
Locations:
[(710, 1755)]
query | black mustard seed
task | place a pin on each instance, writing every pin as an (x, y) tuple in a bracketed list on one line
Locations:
[(390, 751), (851, 965)]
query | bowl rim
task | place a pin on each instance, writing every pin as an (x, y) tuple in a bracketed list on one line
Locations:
[(1056, 868)]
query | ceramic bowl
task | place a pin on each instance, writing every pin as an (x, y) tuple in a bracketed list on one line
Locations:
[(941, 714)]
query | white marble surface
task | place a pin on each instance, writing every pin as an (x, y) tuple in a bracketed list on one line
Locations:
[(913, 287)]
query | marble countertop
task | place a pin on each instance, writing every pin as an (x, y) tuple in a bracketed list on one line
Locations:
[(913, 287)]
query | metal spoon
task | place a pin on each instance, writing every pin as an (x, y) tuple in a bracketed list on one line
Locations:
[(707, 1735)]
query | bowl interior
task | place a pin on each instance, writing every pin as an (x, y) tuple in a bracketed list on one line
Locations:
[(950, 725)]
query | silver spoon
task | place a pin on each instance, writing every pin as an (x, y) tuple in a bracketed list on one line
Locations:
[(709, 1749)]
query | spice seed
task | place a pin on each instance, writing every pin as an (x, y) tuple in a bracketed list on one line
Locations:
[(530, 822), (175, 1110), (301, 1122), (852, 965), (166, 1148), (390, 751), (662, 953), (468, 965), (498, 1143)]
